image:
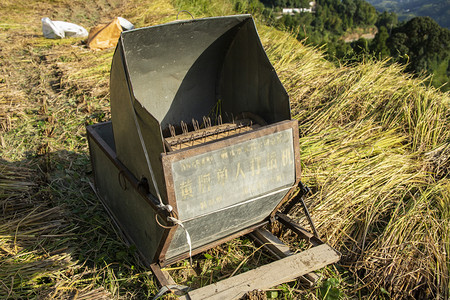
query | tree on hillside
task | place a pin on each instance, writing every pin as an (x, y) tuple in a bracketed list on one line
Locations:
[(365, 13), (379, 43), (424, 45), (388, 20), (287, 3), (422, 38)]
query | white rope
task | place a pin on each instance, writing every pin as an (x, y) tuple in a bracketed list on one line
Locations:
[(188, 237), (149, 165)]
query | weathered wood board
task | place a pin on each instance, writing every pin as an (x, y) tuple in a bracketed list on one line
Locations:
[(279, 250), (269, 275)]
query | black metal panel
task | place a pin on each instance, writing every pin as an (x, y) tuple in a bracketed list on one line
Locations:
[(224, 186), (179, 71), (214, 226), (173, 68), (129, 209), (249, 82)]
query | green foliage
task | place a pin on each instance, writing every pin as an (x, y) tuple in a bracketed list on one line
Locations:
[(330, 289), (326, 24), (286, 3), (250, 6), (387, 19), (379, 46), (423, 45), (361, 46)]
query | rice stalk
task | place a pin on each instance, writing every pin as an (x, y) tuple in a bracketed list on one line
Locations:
[(415, 246), (374, 200), (365, 92)]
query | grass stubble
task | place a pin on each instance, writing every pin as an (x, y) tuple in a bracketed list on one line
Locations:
[(374, 146)]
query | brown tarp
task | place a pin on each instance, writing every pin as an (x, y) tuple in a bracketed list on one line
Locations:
[(104, 36)]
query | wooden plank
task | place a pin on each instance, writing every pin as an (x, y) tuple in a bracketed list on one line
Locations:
[(273, 244), (280, 250), (269, 275)]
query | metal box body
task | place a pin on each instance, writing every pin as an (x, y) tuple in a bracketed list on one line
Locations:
[(117, 188), (219, 188)]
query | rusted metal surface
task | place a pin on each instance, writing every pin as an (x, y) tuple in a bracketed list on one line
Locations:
[(296, 145), (209, 133), (295, 227), (214, 176), (216, 185), (160, 277)]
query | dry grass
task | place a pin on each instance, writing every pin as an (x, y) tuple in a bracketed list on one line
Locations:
[(55, 239), (376, 202), (375, 147), (375, 151)]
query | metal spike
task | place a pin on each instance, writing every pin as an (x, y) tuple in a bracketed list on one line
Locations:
[(184, 127), (172, 130), (195, 124)]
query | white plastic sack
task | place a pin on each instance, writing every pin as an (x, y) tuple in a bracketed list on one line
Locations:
[(126, 25), (59, 29)]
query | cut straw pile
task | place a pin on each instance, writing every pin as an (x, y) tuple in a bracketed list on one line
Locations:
[(25, 224), (375, 147)]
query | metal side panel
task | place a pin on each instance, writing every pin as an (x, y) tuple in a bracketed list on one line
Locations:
[(127, 206), (128, 144)]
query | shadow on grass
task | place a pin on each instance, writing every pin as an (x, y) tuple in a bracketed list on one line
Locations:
[(56, 240)]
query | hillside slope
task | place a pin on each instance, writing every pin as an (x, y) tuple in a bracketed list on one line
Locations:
[(375, 148), (436, 9)]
